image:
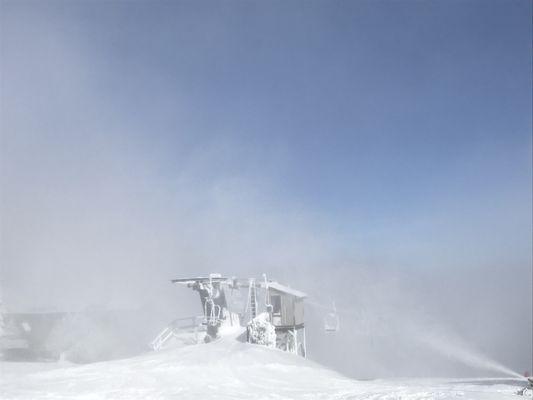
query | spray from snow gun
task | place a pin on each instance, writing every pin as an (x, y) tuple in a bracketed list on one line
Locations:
[(448, 345), (454, 348)]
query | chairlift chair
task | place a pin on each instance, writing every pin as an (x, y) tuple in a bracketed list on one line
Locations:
[(331, 321)]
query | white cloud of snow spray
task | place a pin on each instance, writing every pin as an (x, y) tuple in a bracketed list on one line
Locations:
[(451, 346), (389, 330)]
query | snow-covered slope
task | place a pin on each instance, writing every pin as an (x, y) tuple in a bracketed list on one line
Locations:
[(226, 369)]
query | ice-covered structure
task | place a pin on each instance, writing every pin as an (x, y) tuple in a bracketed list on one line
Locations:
[(260, 331), (273, 314)]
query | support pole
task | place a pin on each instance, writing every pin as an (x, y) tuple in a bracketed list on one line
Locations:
[(305, 345), (295, 333)]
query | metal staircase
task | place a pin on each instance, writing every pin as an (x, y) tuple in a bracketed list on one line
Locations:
[(175, 328)]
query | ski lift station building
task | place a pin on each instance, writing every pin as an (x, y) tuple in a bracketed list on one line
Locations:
[(287, 306), (283, 306), (286, 309)]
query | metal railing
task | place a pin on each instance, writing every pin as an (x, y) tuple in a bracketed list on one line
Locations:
[(177, 326)]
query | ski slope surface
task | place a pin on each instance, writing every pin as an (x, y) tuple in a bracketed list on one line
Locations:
[(226, 369)]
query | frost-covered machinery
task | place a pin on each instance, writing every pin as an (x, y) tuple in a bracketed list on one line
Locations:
[(528, 389), (268, 306)]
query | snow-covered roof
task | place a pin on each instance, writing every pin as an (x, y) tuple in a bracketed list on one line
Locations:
[(285, 289), (203, 279)]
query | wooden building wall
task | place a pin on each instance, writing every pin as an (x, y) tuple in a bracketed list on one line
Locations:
[(292, 309)]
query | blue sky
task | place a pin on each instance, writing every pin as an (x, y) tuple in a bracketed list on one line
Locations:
[(353, 108), (389, 134), (371, 108), (365, 114)]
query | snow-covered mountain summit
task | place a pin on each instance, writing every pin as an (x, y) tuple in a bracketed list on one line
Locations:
[(225, 369)]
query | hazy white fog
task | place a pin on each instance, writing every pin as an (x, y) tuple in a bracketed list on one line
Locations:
[(112, 183)]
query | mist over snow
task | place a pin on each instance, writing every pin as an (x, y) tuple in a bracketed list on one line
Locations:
[(377, 155)]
